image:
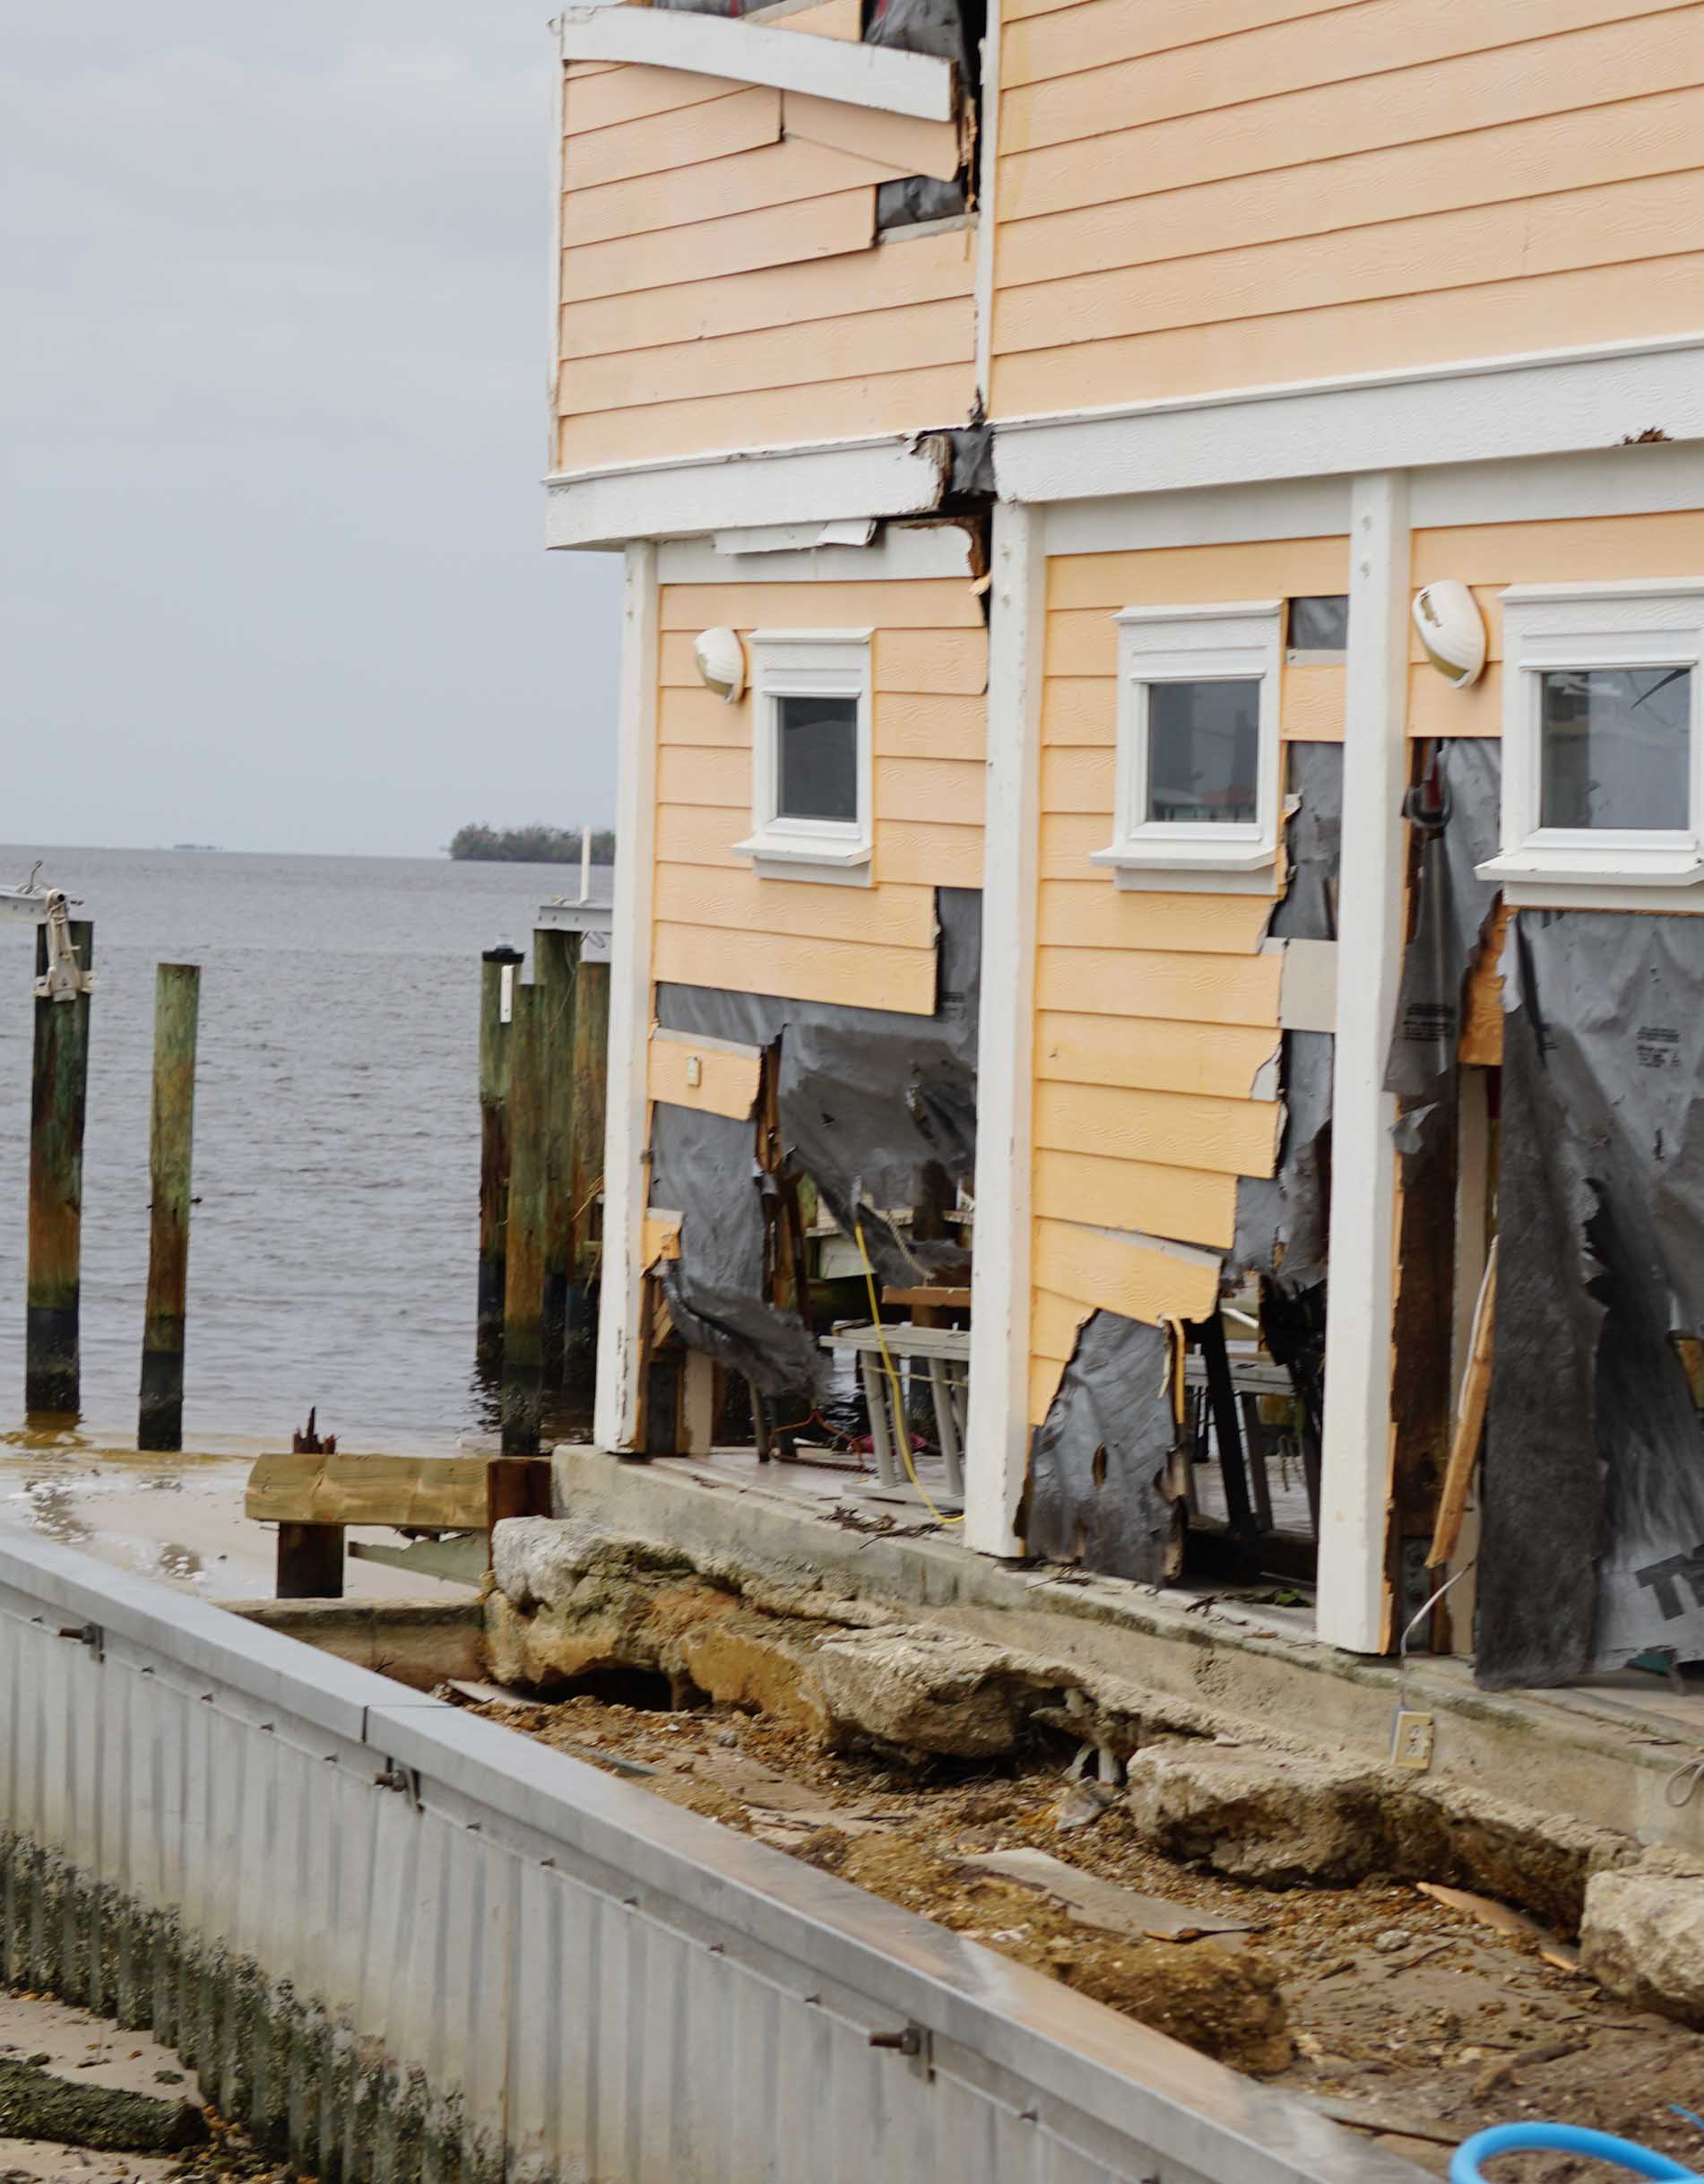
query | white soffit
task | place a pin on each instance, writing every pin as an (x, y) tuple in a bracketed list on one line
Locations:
[(851, 74), (896, 554)]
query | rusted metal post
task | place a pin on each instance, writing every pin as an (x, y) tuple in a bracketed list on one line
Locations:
[(556, 960), (524, 1237), (500, 969), (585, 1161), (58, 1104), (171, 1135)]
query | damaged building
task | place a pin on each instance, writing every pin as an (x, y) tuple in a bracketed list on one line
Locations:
[(1162, 802)]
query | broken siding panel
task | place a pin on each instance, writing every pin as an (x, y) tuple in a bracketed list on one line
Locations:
[(1394, 243), (748, 182), (728, 1077), (904, 144), (1488, 557)]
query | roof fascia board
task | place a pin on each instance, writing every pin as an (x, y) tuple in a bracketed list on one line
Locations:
[(852, 74)]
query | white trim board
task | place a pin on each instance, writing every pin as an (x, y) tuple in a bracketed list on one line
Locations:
[(894, 475), (1354, 1491), (1643, 481), (997, 1432), (987, 198), (1219, 516), (1484, 410), (898, 551), (884, 77), (625, 1162)]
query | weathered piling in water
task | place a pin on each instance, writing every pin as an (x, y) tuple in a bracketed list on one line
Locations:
[(524, 1237), (171, 1141), (58, 1104), (556, 961), (499, 972), (587, 1080)]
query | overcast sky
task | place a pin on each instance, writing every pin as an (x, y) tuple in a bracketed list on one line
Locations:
[(272, 392)]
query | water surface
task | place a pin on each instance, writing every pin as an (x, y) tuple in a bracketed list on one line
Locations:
[(333, 1252)]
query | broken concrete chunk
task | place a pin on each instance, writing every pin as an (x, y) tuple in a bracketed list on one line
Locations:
[(924, 1689), (1262, 1815), (1642, 1936)]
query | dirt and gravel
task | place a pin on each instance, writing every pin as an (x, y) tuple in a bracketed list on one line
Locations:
[(1407, 2017)]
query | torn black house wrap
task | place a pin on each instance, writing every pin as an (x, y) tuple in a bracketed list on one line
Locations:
[(1281, 1219), (1450, 922), (1096, 1490), (865, 1098), (1592, 1545)]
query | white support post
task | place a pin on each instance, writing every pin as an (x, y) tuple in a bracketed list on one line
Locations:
[(1353, 1601), (997, 1434), (625, 1169)]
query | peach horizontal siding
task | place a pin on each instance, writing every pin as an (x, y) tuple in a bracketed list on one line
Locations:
[(721, 282), (1488, 557), (1157, 1014), (1194, 196), (718, 924)]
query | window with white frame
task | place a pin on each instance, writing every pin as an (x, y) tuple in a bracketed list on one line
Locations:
[(810, 756), (1603, 783), (1195, 796)]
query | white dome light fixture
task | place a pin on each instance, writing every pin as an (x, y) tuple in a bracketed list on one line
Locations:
[(1452, 631), (721, 659)]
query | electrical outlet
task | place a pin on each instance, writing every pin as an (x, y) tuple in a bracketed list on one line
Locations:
[(1411, 1740), (694, 1072)]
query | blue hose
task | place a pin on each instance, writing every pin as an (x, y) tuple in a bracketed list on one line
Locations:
[(1559, 2138)]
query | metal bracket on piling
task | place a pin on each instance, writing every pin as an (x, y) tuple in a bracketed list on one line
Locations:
[(915, 2042), (66, 977)]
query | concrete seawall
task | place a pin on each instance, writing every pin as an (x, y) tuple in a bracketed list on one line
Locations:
[(406, 1945)]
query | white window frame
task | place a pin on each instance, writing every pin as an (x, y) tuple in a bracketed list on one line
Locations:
[(1242, 641), (1550, 627), (808, 663)]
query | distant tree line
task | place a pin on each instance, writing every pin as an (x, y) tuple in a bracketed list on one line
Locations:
[(528, 845)]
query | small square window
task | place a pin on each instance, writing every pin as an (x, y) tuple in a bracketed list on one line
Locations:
[(1615, 744), (1196, 780), (817, 758), (1601, 772), (811, 762), (1204, 753)]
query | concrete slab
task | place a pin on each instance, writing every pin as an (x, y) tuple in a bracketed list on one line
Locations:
[(1606, 1754)]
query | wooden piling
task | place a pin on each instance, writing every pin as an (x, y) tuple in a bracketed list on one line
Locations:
[(58, 1104), (177, 1009), (500, 971), (585, 1157), (556, 962), (523, 1237)]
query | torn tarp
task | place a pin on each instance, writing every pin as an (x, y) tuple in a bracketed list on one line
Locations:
[(1096, 1492), (1449, 921), (865, 1098), (1280, 1219), (1592, 1544)]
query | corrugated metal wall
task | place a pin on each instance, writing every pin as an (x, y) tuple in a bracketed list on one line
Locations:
[(425, 1946)]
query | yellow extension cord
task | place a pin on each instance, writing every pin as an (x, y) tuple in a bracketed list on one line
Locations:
[(902, 1422)]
